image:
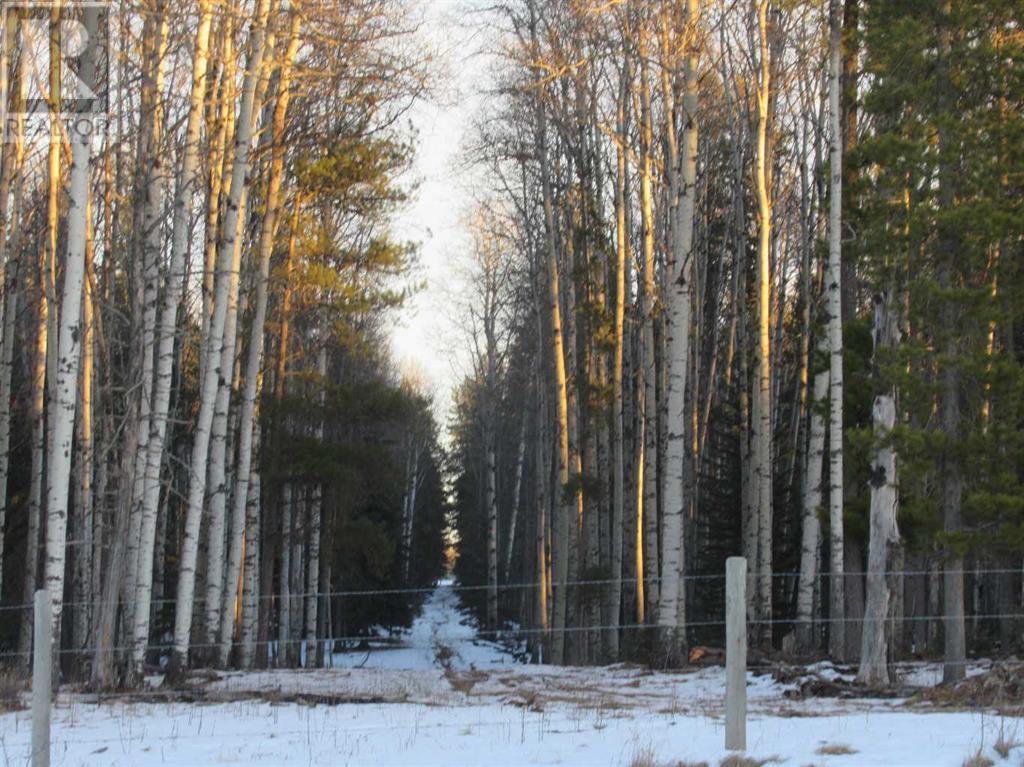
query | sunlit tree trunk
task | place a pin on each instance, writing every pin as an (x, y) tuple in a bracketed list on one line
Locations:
[(254, 360), (228, 268), (647, 474), (69, 353), (165, 336), (618, 416), (153, 179), (11, 177), (762, 447), (564, 506), (84, 524), (43, 341), (682, 162), (810, 535)]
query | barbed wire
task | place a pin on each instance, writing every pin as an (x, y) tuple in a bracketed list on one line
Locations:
[(462, 588), (503, 634)]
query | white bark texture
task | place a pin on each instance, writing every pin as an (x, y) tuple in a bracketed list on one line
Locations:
[(810, 534), (837, 611), (884, 534), (251, 583), (68, 353), (678, 328), (647, 475), (563, 504), (315, 523), (187, 182), (227, 269)]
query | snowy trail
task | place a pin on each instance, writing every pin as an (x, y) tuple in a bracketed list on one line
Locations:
[(443, 636)]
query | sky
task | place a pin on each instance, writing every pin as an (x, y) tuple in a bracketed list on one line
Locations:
[(425, 339)]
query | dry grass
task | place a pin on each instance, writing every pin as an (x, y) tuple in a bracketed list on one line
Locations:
[(1005, 744), (978, 760), (738, 760), (1001, 687), (835, 749), (10, 690), (645, 758)]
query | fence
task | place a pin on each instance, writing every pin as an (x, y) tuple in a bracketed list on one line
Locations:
[(735, 622)]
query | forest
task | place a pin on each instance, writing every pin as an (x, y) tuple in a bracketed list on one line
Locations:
[(744, 278), (748, 282), (203, 433)]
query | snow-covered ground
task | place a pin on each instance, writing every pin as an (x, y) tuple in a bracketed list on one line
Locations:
[(444, 697)]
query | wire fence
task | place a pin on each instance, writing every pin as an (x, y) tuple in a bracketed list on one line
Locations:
[(500, 587), (515, 633)]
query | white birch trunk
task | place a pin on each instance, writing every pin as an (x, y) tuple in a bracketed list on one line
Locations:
[(68, 354), (251, 588), (254, 359), (647, 475), (315, 518), (187, 188), (517, 490), (810, 535), (683, 181), (618, 414), (564, 506), (228, 268), (152, 241), (837, 601)]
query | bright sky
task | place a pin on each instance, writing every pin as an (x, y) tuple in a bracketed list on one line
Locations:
[(425, 338)]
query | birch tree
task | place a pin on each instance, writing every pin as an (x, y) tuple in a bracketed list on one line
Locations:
[(227, 262), (837, 613)]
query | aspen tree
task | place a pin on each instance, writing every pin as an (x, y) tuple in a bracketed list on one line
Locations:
[(647, 471), (682, 163), (228, 273), (68, 348), (48, 258), (834, 292), (763, 401), (563, 502), (254, 359), (618, 416), (315, 526), (186, 189)]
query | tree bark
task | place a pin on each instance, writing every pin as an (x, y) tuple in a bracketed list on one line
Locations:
[(186, 189), (763, 471), (228, 268), (254, 359), (837, 612)]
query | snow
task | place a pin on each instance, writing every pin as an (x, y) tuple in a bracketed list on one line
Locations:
[(442, 627), (444, 697)]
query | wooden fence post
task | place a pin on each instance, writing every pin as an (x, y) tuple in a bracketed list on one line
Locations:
[(736, 654), (42, 679)]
